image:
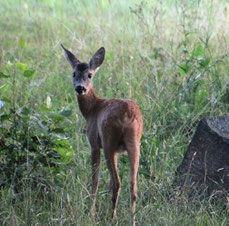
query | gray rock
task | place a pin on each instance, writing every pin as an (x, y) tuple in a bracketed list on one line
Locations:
[(205, 167)]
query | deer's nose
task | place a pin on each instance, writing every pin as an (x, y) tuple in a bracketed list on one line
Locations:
[(80, 89)]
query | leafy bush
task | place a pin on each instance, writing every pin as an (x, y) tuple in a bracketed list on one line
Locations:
[(32, 144)]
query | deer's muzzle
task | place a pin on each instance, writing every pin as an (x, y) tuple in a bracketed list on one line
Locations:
[(80, 90)]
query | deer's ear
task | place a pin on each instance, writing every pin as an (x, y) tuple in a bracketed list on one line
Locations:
[(97, 59), (72, 60)]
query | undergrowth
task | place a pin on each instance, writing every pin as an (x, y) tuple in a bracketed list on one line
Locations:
[(171, 57)]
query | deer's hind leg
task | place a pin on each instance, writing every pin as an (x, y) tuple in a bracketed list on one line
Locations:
[(115, 181), (133, 156), (133, 149)]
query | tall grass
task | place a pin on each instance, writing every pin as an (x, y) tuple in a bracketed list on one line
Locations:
[(171, 57)]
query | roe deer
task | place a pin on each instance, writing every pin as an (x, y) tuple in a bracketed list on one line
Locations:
[(115, 125)]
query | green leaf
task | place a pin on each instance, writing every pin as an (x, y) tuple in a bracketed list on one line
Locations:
[(7, 100), (66, 113), (56, 117), (58, 130), (22, 67), (43, 108), (198, 51), (204, 61), (183, 69), (63, 143), (66, 153), (4, 87), (28, 73), (4, 117), (21, 43), (2, 75)]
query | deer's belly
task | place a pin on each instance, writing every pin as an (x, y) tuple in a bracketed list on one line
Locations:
[(121, 147)]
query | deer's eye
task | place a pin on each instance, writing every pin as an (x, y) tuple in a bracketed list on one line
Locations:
[(89, 75), (74, 75)]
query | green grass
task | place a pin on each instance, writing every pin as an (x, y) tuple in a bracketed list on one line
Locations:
[(171, 57)]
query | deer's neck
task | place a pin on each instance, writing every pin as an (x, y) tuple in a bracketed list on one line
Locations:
[(87, 103)]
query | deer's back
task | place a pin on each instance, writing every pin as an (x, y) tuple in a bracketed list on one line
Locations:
[(112, 118), (119, 114)]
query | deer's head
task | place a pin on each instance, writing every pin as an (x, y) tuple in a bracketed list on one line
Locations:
[(83, 73)]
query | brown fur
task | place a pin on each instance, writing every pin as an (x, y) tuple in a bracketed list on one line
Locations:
[(115, 125)]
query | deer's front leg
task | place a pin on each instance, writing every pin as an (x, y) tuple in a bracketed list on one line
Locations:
[(95, 161)]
